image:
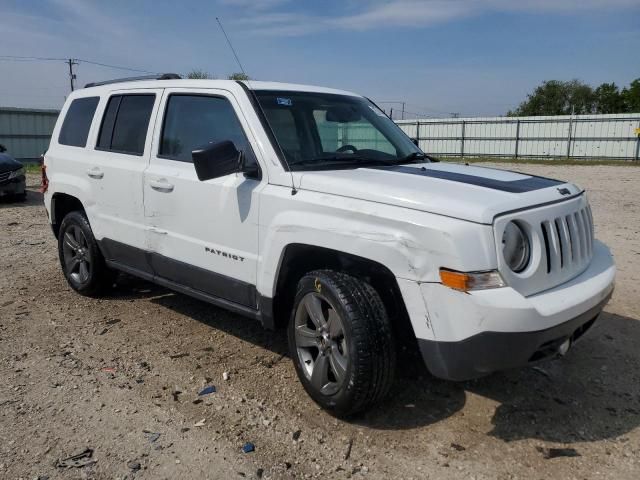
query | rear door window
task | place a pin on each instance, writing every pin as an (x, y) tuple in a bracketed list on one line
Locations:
[(77, 122), (125, 123)]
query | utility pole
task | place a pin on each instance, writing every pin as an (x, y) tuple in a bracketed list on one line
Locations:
[(402, 110), (72, 76)]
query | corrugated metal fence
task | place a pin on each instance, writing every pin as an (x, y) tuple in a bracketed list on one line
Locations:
[(581, 136), (26, 132)]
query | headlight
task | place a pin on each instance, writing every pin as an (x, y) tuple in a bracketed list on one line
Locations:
[(17, 173), (516, 249)]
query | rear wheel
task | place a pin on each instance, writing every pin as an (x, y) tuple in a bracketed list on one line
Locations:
[(80, 258), (341, 342)]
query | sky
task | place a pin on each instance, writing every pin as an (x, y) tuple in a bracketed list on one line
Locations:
[(469, 57)]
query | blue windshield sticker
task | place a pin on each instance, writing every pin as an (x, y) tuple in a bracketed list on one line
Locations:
[(284, 101)]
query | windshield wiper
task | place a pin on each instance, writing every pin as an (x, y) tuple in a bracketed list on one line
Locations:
[(412, 157), (337, 160)]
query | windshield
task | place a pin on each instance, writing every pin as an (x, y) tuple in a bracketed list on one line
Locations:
[(325, 131)]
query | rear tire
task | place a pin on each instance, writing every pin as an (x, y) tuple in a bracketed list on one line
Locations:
[(80, 258), (341, 342)]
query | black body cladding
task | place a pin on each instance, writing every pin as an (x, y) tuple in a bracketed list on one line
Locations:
[(220, 290)]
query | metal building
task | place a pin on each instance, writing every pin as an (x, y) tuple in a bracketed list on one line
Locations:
[(25, 132)]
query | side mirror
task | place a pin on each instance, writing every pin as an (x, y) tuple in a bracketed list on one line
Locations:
[(415, 142), (217, 160)]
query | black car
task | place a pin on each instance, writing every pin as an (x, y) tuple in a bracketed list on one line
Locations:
[(12, 177)]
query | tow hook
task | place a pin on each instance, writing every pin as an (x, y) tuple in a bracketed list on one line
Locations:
[(564, 347)]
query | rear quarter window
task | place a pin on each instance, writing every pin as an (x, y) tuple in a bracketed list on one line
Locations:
[(77, 122)]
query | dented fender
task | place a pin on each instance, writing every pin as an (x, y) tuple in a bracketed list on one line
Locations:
[(412, 244)]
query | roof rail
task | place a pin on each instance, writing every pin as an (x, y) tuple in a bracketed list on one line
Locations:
[(162, 76)]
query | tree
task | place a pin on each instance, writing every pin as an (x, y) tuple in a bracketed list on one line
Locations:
[(581, 98), (199, 74), (608, 99), (555, 97), (238, 76), (631, 97)]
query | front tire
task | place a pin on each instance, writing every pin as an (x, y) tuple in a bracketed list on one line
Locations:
[(80, 258), (341, 342)]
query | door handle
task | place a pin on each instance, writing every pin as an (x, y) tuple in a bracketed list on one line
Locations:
[(96, 173), (161, 186)]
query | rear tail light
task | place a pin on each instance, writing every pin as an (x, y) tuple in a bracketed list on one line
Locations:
[(44, 185)]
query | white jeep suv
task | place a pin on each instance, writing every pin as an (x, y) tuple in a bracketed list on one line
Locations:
[(308, 207)]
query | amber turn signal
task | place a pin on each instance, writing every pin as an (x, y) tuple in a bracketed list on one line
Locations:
[(465, 281), (456, 280)]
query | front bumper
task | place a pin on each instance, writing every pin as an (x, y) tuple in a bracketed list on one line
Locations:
[(488, 352), (468, 335), (15, 186)]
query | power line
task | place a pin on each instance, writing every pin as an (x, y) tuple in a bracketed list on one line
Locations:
[(438, 113), (82, 60), (71, 62), (20, 58)]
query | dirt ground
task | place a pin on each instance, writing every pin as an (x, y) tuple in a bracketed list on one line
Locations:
[(120, 375)]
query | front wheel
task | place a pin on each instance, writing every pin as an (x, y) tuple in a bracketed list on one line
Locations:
[(341, 342)]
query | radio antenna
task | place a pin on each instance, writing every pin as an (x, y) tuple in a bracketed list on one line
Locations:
[(293, 185), (231, 47)]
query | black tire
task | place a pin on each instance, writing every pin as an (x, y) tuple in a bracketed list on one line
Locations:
[(77, 246), (367, 342), (22, 197)]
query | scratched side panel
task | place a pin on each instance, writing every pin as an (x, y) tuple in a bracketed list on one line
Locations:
[(412, 244)]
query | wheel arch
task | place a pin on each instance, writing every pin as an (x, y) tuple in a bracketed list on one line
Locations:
[(61, 205), (297, 259)]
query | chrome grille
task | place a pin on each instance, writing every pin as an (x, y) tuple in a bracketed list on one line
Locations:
[(568, 241), (4, 176)]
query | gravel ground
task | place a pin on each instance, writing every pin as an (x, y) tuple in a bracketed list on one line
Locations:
[(121, 376)]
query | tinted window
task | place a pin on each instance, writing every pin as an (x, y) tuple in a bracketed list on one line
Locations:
[(125, 123), (194, 121), (75, 127), (108, 120), (282, 121)]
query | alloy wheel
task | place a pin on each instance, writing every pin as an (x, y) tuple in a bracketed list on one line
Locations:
[(321, 344), (76, 255)]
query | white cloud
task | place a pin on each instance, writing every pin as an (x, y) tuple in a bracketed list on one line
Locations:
[(403, 13), (253, 4), (372, 14), (573, 6)]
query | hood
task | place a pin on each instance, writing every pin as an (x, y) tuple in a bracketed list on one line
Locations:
[(8, 163), (471, 193)]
